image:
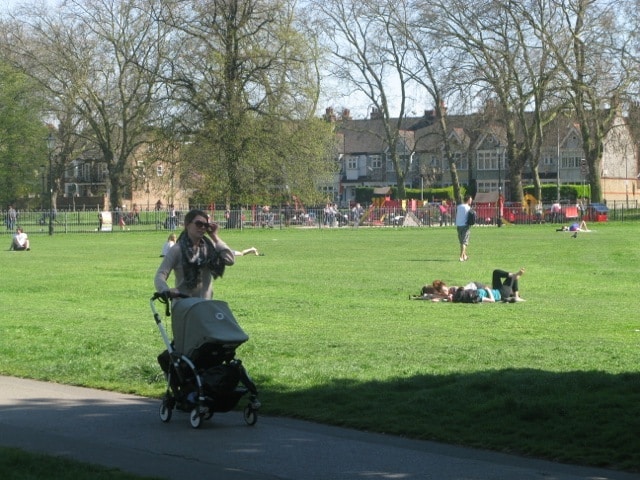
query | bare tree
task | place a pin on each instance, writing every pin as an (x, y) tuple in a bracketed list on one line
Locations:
[(434, 69), (99, 62), (369, 55), (597, 70), (533, 21), (537, 59), (496, 62)]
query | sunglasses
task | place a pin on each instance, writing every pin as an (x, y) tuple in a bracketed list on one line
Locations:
[(200, 224)]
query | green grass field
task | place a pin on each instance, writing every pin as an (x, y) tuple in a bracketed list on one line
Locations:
[(335, 339), (18, 465)]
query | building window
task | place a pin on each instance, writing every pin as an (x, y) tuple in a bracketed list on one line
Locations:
[(376, 162), (328, 191), (571, 160), (486, 186), (352, 163), (85, 175), (103, 172), (159, 170), (488, 160), (549, 159), (389, 164), (460, 160)]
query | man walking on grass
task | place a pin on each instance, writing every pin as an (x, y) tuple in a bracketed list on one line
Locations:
[(462, 226)]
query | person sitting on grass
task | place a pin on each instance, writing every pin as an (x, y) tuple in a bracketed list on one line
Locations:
[(20, 241), (171, 241)]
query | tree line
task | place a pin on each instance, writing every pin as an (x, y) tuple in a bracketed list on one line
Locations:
[(223, 91), (520, 63), (227, 92)]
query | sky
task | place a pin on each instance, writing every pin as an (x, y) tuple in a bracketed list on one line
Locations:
[(357, 103), (8, 5)]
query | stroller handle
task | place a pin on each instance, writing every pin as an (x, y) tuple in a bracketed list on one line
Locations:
[(166, 295)]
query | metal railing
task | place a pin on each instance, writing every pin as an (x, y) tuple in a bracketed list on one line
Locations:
[(87, 221)]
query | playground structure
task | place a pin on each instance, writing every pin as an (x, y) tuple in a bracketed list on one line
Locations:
[(300, 214), (384, 211), (492, 210), (489, 208)]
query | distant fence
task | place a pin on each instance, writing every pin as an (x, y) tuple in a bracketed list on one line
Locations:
[(87, 221)]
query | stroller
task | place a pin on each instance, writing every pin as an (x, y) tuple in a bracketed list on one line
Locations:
[(203, 375)]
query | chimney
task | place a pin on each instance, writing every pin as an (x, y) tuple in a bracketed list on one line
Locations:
[(430, 114), (375, 114), (329, 115)]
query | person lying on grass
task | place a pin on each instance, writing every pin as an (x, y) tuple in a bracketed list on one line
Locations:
[(435, 291), (504, 288)]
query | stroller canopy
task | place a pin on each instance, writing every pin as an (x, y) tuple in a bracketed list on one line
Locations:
[(196, 321)]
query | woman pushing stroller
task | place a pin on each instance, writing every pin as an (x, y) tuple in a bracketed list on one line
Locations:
[(203, 375), (195, 259)]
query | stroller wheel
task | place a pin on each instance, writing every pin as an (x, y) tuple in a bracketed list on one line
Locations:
[(195, 418), (165, 412), (250, 415)]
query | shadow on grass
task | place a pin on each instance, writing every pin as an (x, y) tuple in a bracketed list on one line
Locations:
[(587, 418)]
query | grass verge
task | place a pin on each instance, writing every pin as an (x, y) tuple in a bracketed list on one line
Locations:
[(335, 339), (18, 465)]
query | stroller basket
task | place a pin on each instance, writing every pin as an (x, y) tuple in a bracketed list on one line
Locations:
[(197, 322)]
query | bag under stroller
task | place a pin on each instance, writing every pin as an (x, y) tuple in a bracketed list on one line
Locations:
[(203, 375)]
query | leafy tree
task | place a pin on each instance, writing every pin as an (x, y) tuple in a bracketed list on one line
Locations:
[(23, 156), (244, 83)]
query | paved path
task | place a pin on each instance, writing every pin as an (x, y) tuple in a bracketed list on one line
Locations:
[(125, 432)]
